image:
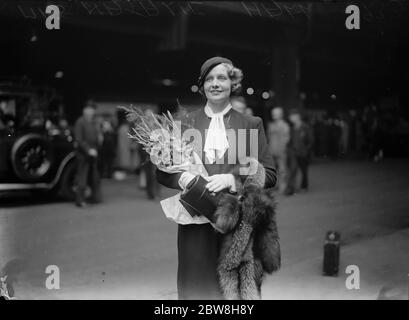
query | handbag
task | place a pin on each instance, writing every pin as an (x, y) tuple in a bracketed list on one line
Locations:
[(198, 200)]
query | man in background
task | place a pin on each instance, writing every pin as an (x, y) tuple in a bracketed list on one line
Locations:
[(299, 151), (89, 138), (108, 149), (2, 124), (278, 132)]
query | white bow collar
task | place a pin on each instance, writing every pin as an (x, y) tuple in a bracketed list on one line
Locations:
[(216, 140)]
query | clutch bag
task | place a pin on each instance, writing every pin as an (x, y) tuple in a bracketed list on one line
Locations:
[(197, 200)]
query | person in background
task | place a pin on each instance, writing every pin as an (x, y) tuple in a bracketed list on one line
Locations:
[(248, 111), (2, 124), (376, 134), (148, 169), (334, 136), (239, 104), (8, 115), (321, 136), (107, 149), (89, 138), (278, 132), (344, 139), (299, 152), (123, 153), (64, 126)]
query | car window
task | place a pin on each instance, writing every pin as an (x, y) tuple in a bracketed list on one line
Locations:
[(7, 113), (21, 112)]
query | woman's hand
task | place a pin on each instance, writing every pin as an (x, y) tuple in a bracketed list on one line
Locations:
[(185, 178), (218, 182)]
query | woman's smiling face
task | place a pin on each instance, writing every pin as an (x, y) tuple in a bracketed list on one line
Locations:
[(217, 84)]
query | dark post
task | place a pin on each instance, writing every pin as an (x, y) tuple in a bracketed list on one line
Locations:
[(331, 253)]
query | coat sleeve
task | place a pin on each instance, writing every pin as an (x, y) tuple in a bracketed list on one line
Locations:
[(170, 180), (264, 155)]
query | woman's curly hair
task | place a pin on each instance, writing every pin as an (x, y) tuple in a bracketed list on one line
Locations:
[(236, 76)]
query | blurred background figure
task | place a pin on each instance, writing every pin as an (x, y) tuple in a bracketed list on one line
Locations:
[(147, 176), (64, 127), (345, 135), (278, 132), (239, 104), (63, 124), (299, 152), (107, 149), (334, 136), (2, 124), (123, 148), (317, 124), (248, 111), (376, 134), (89, 138)]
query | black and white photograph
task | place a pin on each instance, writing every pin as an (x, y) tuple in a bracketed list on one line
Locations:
[(204, 150)]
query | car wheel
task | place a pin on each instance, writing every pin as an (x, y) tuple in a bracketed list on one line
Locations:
[(31, 158)]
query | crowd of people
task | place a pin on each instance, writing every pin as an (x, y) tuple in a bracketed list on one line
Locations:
[(291, 144), (372, 132)]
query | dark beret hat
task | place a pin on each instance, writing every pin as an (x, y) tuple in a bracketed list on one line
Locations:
[(208, 65)]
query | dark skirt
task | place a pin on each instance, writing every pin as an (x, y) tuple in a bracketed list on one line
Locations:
[(198, 250)]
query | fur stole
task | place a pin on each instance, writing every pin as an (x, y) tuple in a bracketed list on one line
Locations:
[(250, 244)]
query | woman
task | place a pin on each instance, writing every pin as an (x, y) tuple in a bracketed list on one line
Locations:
[(124, 162), (199, 244)]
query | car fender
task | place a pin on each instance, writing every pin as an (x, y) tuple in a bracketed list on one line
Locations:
[(67, 159)]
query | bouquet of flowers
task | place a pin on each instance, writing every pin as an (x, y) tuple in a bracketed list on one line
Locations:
[(4, 292), (160, 136)]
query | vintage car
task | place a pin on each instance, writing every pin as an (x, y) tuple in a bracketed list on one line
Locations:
[(37, 150)]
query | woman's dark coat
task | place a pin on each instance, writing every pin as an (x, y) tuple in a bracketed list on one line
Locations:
[(199, 245)]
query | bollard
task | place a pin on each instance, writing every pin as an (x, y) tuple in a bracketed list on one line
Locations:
[(331, 253)]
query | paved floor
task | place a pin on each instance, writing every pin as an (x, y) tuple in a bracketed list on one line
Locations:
[(126, 249)]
